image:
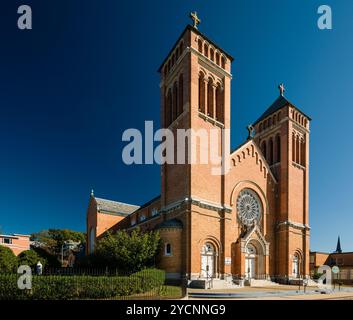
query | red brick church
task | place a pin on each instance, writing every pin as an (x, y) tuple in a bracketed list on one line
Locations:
[(251, 223)]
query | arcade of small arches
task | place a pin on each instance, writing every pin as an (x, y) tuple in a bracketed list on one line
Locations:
[(173, 58), (269, 122), (299, 118), (211, 53), (211, 96)]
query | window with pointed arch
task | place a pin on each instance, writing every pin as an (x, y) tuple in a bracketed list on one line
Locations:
[(167, 249)]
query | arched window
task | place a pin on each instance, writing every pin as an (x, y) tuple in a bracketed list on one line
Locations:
[(279, 116), (175, 101), (173, 59), (293, 147), (297, 150), (167, 249), (278, 148), (210, 98), (199, 43), (302, 153), (181, 95), (223, 62), (274, 120), (270, 152), (211, 54), (201, 93), (260, 127), (219, 104), (217, 58), (205, 50), (142, 217), (270, 122), (264, 149)]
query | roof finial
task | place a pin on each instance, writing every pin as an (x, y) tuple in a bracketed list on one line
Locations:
[(195, 19), (281, 89), (92, 193)]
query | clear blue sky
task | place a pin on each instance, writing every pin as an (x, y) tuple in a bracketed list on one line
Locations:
[(88, 70)]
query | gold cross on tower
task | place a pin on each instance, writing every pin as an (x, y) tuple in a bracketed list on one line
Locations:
[(281, 89), (195, 19)]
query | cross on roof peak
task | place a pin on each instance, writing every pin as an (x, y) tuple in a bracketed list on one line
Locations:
[(195, 19), (281, 89)]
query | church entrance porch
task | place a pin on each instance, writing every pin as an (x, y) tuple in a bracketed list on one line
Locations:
[(251, 258)]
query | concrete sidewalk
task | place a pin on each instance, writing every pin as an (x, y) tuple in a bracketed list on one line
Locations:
[(279, 292)]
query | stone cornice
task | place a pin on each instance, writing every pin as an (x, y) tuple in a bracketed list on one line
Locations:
[(198, 202), (293, 225)]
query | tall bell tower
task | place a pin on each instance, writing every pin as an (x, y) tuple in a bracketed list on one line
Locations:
[(282, 133), (195, 94)]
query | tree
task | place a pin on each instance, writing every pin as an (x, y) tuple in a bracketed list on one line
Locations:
[(51, 260), (128, 252), (53, 239), (8, 260), (30, 258)]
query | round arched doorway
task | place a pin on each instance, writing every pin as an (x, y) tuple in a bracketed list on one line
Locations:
[(295, 266), (254, 260), (208, 261), (250, 261)]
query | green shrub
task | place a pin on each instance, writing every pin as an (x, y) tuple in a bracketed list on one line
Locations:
[(8, 260), (30, 258), (82, 287)]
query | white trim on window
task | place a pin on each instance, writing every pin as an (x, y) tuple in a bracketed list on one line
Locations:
[(168, 249)]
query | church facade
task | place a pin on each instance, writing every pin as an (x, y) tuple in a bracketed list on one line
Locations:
[(250, 223)]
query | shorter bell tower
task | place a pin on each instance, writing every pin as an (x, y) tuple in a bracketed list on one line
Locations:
[(282, 133)]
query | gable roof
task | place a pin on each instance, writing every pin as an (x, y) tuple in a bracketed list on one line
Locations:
[(278, 104), (115, 207)]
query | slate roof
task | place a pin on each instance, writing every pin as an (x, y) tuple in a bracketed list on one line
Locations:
[(278, 104), (115, 207), (172, 223)]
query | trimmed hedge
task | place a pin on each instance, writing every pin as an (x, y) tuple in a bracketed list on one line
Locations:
[(81, 287)]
